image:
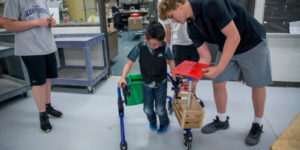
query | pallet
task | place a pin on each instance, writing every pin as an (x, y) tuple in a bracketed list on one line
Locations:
[(188, 119)]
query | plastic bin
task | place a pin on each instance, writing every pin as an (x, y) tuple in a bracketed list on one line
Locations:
[(135, 82)]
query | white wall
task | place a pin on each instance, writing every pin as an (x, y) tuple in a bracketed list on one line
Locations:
[(285, 56)]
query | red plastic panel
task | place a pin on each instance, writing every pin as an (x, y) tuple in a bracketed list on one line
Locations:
[(190, 69), (135, 15)]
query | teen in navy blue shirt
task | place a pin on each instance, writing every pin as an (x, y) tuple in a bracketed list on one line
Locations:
[(242, 48)]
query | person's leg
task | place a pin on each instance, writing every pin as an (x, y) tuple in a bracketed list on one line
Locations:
[(48, 90), (256, 68), (160, 107), (37, 75), (220, 96), (231, 72), (51, 66), (192, 56), (148, 98), (50, 110), (39, 96), (259, 98)]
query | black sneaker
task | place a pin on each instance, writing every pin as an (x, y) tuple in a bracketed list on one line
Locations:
[(199, 100), (216, 125), (254, 134), (53, 112), (45, 124)]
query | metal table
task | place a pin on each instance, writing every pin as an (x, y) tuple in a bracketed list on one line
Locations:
[(11, 86), (87, 75)]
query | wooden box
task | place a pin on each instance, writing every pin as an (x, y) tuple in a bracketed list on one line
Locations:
[(188, 119), (289, 139), (135, 23)]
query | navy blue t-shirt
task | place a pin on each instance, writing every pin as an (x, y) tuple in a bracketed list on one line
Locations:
[(211, 16)]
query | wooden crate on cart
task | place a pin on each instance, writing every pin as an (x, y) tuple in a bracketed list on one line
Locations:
[(188, 119)]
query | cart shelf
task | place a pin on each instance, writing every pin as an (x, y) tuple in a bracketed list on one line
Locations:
[(11, 86), (87, 75)]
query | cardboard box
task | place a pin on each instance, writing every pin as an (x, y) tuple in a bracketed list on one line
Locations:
[(295, 27), (135, 23)]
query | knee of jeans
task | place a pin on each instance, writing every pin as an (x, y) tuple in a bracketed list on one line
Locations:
[(148, 111), (161, 111)]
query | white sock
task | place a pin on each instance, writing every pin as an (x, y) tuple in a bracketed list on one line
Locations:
[(222, 116), (258, 120)]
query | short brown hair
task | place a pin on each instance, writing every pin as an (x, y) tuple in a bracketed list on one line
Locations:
[(166, 6)]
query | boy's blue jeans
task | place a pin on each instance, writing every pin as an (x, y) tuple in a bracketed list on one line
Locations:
[(156, 96)]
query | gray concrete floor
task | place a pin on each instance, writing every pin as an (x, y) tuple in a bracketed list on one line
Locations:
[(91, 121)]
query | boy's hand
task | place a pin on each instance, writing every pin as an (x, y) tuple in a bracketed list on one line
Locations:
[(122, 80), (43, 21), (174, 77)]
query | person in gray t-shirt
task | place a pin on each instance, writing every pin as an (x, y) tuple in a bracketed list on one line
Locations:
[(31, 21)]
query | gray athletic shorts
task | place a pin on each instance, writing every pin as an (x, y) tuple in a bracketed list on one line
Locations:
[(254, 64)]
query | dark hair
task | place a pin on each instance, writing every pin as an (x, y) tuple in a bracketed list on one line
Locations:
[(155, 30)]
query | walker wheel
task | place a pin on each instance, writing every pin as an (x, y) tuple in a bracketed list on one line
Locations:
[(123, 146), (187, 141)]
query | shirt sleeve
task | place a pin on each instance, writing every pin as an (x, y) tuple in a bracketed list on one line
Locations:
[(169, 55), (12, 10), (134, 53), (220, 12)]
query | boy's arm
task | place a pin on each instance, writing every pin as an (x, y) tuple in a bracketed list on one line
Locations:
[(171, 64), (17, 26), (168, 33), (126, 69)]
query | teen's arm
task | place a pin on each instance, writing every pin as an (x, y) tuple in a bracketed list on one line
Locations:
[(17, 26), (204, 54), (126, 69), (232, 41)]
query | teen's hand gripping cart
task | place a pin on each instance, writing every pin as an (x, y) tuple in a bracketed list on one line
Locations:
[(188, 111)]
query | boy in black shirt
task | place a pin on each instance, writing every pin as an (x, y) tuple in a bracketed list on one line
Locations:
[(154, 55)]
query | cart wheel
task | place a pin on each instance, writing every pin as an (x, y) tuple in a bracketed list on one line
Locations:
[(187, 141), (90, 89), (123, 146), (24, 94), (106, 77), (188, 146)]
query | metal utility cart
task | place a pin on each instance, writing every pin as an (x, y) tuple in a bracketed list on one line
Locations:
[(87, 75), (12, 86), (188, 111)]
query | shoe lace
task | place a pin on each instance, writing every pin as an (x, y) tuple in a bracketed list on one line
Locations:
[(215, 122), (256, 130)]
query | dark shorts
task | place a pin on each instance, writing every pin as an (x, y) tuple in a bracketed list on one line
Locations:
[(182, 52), (40, 68)]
